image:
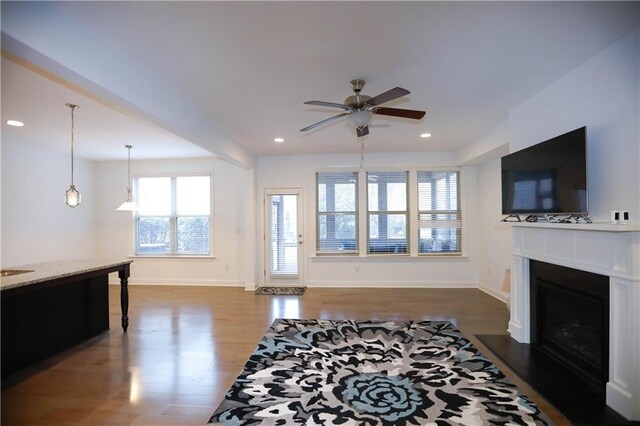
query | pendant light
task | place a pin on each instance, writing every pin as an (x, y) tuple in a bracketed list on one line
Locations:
[(72, 196), (129, 205)]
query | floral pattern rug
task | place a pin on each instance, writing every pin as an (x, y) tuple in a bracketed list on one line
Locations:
[(323, 372)]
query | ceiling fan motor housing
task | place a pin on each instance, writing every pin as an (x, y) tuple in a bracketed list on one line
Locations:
[(357, 101)]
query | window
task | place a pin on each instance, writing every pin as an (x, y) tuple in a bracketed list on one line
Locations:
[(439, 212), (173, 216), (405, 212), (388, 225), (337, 213)]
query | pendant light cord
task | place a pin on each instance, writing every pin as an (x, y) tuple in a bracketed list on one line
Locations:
[(72, 129), (73, 107), (129, 167)]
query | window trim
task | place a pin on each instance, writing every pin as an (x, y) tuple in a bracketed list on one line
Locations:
[(173, 255)]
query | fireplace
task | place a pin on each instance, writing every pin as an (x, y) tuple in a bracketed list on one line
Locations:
[(602, 249), (570, 319)]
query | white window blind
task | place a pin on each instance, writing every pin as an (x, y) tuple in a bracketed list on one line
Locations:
[(173, 215), (439, 213), (388, 225), (284, 234), (337, 213)]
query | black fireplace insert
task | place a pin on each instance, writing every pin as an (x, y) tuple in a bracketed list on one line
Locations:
[(570, 319)]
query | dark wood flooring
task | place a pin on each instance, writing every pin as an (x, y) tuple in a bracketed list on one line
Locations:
[(186, 345)]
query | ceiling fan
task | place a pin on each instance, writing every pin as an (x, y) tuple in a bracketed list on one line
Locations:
[(362, 107)]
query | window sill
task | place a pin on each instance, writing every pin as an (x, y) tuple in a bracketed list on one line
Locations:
[(388, 258), (170, 257)]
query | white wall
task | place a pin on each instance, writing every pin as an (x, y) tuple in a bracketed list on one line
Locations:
[(37, 226), (299, 172), (494, 237), (488, 146), (602, 94), (233, 224)]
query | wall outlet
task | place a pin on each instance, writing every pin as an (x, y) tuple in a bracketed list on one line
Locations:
[(357, 269), (226, 266)]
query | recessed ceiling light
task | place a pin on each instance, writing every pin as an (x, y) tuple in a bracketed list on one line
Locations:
[(425, 135), (279, 140), (15, 123)]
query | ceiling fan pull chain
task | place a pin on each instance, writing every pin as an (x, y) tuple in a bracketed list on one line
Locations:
[(361, 152)]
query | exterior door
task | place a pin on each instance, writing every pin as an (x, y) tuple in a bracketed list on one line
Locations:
[(283, 237)]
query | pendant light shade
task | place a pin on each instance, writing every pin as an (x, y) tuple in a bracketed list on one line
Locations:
[(130, 204), (72, 196)]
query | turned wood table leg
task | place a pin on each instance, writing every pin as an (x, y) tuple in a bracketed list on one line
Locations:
[(124, 296)]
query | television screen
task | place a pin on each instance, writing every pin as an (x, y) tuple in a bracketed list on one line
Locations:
[(547, 178)]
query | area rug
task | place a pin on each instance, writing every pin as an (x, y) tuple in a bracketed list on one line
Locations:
[(322, 372), (281, 291)]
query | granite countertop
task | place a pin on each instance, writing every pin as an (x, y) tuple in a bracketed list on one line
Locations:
[(51, 270)]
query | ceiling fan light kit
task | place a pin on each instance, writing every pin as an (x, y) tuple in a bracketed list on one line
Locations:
[(361, 118), (361, 108)]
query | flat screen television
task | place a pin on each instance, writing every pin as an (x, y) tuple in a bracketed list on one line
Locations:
[(547, 178)]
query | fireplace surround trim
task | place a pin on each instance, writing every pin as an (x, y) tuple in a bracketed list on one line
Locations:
[(611, 252)]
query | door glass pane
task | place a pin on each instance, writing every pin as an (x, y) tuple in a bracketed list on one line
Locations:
[(284, 234)]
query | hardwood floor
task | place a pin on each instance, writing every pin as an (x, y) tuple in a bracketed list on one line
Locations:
[(186, 345)]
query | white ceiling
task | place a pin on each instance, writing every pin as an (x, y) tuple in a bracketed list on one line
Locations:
[(247, 67), (101, 132)]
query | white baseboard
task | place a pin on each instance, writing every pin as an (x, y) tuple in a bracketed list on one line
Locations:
[(502, 296), (387, 284), (318, 283), (179, 282)]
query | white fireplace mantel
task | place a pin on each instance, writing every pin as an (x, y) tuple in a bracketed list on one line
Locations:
[(610, 250)]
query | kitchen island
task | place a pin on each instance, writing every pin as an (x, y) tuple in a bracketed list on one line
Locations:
[(49, 307)]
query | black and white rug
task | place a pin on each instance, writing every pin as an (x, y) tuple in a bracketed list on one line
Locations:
[(322, 372), (281, 291)]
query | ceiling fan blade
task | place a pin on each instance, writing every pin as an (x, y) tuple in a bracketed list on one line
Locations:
[(329, 104), (362, 131), (397, 112), (387, 96), (335, 117)]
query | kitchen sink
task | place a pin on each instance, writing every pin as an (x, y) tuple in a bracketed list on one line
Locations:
[(10, 272)]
